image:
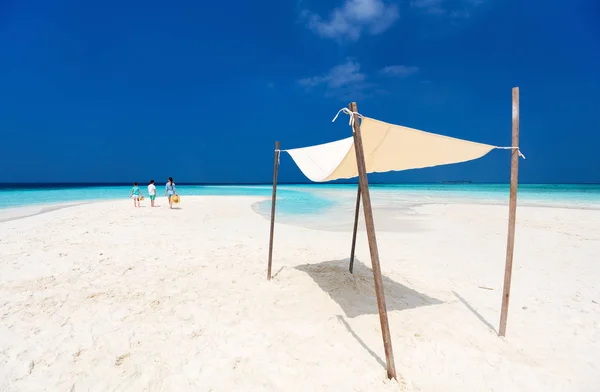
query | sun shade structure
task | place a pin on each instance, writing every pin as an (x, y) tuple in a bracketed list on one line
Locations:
[(387, 147), (375, 147)]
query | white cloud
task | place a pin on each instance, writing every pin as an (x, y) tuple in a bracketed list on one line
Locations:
[(354, 17), (399, 70), (342, 75)]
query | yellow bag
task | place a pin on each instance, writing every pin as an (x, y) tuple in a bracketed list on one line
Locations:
[(175, 198)]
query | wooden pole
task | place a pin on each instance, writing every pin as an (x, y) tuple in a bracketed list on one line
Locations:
[(356, 213), (273, 200), (512, 210), (370, 225)]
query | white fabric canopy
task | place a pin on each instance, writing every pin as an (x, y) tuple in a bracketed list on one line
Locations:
[(387, 147)]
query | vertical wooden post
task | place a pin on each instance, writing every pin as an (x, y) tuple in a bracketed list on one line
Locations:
[(273, 200), (512, 210), (356, 213), (370, 225)]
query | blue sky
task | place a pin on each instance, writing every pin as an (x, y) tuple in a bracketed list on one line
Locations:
[(128, 91)]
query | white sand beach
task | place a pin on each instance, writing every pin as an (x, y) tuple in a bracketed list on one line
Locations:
[(107, 297)]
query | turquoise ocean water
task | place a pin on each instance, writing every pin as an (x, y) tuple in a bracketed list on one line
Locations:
[(313, 198)]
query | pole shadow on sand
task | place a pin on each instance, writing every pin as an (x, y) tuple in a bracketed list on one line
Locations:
[(475, 312), (342, 320), (355, 293)]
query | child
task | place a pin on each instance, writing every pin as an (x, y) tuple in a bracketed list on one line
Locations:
[(152, 192), (136, 193)]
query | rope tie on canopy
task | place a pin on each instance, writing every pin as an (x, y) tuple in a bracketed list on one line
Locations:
[(278, 155), (348, 112), (513, 148), (351, 123)]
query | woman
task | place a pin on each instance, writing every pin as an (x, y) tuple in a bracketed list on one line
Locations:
[(170, 190)]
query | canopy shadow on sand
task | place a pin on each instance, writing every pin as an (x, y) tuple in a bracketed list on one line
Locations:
[(355, 293)]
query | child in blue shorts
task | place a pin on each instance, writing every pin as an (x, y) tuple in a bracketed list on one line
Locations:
[(152, 192)]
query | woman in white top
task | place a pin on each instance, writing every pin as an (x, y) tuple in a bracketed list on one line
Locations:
[(170, 190)]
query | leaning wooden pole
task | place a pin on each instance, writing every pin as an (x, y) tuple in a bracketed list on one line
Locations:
[(356, 213), (512, 210), (370, 225), (273, 200)]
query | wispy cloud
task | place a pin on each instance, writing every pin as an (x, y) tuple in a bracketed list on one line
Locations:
[(342, 75), (399, 70), (344, 81), (455, 9), (434, 7), (353, 18), (347, 80)]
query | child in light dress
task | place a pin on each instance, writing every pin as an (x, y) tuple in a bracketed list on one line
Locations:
[(136, 194)]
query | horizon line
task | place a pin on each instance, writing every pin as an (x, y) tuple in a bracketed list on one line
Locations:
[(122, 183)]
